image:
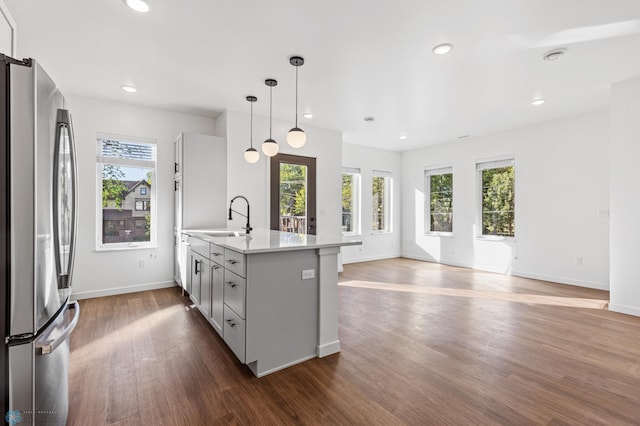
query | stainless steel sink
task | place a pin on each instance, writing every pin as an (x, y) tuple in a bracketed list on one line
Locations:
[(222, 233)]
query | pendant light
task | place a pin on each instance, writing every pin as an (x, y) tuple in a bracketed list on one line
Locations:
[(270, 146), (251, 154), (296, 136)]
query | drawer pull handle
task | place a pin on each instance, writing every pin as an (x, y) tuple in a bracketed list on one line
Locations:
[(231, 323), (216, 254), (231, 284), (231, 261), (216, 267)]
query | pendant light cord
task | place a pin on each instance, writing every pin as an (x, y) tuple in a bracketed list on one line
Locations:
[(270, 108), (251, 125), (297, 95)]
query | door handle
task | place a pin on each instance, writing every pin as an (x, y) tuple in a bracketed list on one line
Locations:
[(64, 145), (47, 347), (197, 265)]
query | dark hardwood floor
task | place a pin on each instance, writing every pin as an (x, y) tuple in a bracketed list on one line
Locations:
[(422, 343)]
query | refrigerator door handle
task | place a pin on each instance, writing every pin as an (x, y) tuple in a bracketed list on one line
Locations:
[(64, 209), (48, 346)]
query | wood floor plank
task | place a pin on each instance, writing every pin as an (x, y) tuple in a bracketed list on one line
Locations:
[(421, 343)]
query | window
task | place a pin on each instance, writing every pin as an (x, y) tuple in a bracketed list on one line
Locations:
[(123, 165), (439, 208), (381, 205), (143, 205), (497, 181), (350, 201)]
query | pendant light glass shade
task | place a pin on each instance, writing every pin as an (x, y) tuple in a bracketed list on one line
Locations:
[(296, 137), (270, 146), (251, 155)]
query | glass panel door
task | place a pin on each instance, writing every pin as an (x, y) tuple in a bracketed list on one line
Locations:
[(293, 203)]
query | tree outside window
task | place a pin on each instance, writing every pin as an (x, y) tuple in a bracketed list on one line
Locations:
[(351, 201), (439, 186), (381, 201), (498, 199)]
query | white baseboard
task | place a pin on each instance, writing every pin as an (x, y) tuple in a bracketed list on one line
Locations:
[(562, 280), (371, 258), (629, 310), (328, 349), (540, 277), (121, 290), (282, 367)]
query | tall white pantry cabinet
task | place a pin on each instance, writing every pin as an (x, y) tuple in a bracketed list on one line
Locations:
[(200, 191)]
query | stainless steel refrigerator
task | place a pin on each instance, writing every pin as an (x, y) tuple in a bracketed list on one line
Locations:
[(38, 211)]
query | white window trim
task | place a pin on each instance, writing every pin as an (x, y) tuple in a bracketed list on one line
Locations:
[(428, 172), (388, 202), (357, 200), (491, 163), (140, 245)]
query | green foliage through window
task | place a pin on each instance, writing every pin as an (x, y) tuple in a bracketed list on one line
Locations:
[(498, 201), (441, 202), (293, 190)]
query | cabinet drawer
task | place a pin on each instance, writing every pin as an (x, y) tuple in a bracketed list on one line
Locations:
[(200, 246), (217, 254), (234, 262), (234, 332), (234, 291)]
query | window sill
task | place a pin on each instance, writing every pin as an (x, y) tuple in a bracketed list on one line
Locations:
[(381, 233), (351, 234), (495, 238), (439, 234), (125, 247)]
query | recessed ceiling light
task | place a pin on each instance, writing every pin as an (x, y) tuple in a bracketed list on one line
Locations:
[(403, 137), (129, 88), (307, 115), (442, 49), (537, 102), (369, 119), (554, 55), (138, 5)]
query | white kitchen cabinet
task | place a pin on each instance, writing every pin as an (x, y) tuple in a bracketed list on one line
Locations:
[(200, 187), (217, 294)]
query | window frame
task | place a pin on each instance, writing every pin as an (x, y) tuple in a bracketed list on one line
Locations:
[(428, 172), (356, 200), (388, 202), (489, 164), (151, 192)]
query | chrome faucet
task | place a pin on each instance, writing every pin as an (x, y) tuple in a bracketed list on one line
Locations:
[(248, 227)]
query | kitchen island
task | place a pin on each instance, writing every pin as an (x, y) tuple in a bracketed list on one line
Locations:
[(272, 296)]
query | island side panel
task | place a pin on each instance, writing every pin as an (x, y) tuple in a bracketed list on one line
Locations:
[(282, 310), (328, 341)]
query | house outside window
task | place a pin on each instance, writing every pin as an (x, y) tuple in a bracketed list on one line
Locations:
[(381, 191), (125, 171), (497, 197), (351, 201), (439, 200)]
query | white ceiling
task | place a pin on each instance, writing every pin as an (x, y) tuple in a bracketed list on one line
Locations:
[(362, 58)]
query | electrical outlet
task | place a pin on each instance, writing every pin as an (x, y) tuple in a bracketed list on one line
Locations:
[(308, 274), (579, 260), (142, 263)]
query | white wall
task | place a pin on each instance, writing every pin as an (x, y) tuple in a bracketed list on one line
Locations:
[(562, 202), (374, 245), (252, 180), (625, 197), (112, 272)]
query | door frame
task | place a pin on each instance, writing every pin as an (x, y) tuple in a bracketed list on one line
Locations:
[(274, 189)]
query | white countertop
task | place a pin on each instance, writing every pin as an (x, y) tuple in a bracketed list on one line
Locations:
[(265, 241)]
